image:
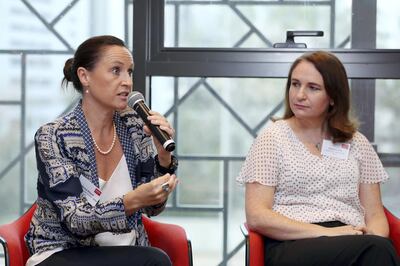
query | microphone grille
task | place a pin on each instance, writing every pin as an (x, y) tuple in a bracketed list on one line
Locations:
[(134, 98)]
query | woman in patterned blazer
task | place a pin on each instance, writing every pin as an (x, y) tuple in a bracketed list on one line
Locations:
[(97, 169)]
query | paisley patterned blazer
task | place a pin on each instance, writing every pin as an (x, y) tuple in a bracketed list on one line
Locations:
[(64, 151)]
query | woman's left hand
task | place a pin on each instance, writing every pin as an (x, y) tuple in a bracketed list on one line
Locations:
[(363, 229), (157, 119)]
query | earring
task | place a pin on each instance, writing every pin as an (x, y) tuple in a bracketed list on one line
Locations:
[(87, 91), (332, 103)]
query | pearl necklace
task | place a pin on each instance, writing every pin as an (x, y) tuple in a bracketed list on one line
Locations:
[(111, 147)]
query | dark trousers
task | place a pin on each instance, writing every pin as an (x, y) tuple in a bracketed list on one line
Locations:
[(106, 256), (339, 250)]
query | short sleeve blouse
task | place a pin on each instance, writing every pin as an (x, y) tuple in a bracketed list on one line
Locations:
[(309, 188)]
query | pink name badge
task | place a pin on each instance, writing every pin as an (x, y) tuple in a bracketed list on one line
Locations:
[(90, 191)]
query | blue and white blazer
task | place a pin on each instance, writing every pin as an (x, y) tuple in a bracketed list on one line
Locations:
[(64, 151)]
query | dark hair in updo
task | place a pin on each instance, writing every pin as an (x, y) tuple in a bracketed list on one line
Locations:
[(86, 56)]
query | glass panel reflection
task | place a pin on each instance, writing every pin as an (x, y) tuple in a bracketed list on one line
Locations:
[(387, 24), (255, 24), (218, 116), (387, 111)]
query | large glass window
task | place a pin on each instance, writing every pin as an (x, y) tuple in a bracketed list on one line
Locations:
[(387, 24), (386, 115), (37, 36), (224, 115), (255, 24), (216, 120), (248, 24)]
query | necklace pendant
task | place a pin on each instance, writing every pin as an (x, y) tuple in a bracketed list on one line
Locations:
[(318, 146)]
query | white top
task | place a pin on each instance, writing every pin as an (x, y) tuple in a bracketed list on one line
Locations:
[(310, 188), (117, 185)]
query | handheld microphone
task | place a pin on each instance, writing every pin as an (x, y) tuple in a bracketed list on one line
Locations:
[(136, 102)]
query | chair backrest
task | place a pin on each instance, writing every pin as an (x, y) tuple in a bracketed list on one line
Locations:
[(255, 241), (254, 247), (16, 252), (394, 227), (168, 237), (172, 239)]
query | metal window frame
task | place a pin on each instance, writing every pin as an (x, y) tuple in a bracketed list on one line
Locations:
[(155, 59), (23, 54), (363, 64)]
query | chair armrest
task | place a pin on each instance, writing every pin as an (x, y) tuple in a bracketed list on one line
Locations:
[(394, 227), (170, 238), (14, 247), (12, 238), (254, 246), (245, 233), (5, 249)]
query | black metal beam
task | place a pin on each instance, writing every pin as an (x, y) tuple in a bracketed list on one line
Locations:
[(363, 36), (140, 41)]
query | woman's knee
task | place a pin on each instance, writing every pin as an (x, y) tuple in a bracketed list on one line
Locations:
[(158, 257), (379, 251), (379, 242)]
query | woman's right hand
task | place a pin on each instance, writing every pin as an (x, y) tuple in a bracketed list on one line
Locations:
[(344, 230), (150, 193)]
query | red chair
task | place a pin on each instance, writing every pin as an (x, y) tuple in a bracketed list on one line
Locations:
[(255, 241), (168, 237), (394, 229), (172, 239), (254, 247)]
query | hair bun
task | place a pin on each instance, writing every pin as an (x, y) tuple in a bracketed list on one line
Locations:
[(68, 69)]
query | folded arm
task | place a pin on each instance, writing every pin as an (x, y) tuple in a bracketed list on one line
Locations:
[(375, 218), (261, 218)]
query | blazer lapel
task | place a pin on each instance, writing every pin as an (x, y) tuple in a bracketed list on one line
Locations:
[(87, 138)]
